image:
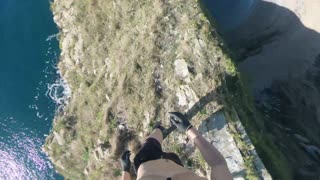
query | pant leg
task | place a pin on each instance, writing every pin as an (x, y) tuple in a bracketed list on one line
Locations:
[(150, 149), (173, 157)]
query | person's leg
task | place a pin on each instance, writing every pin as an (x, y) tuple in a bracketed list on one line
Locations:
[(156, 134), (173, 157), (150, 149)]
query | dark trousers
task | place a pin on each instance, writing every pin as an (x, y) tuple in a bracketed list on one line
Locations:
[(151, 150)]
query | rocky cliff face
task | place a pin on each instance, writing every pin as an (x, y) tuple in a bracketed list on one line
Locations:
[(128, 63), (284, 76)]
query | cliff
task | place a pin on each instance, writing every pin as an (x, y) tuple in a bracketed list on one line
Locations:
[(127, 64)]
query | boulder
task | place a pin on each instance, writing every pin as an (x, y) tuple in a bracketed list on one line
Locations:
[(215, 130)]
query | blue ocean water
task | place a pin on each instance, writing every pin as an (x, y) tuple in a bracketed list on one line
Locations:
[(228, 14), (28, 57)]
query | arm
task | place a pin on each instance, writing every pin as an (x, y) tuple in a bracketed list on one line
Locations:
[(125, 175), (125, 165), (219, 168), (212, 156)]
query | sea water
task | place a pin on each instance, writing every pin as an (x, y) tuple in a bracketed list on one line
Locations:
[(228, 14), (29, 80)]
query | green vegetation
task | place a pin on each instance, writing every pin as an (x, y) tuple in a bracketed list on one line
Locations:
[(85, 156), (231, 67), (199, 161), (117, 172)]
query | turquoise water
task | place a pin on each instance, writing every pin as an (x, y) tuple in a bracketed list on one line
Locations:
[(27, 69)]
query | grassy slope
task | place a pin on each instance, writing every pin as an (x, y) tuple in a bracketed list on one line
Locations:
[(118, 58)]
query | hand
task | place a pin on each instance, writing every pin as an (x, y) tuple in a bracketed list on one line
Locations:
[(180, 121), (125, 161)]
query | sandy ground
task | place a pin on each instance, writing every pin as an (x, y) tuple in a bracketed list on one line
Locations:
[(291, 49)]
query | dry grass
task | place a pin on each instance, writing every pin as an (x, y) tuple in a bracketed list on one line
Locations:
[(118, 58)]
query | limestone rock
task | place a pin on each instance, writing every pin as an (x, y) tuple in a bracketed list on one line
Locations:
[(186, 96), (58, 138), (181, 69), (100, 153), (215, 130), (59, 164)]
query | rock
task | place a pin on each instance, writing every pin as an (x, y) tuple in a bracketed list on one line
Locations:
[(186, 96), (181, 69), (107, 97), (101, 152), (258, 164), (122, 127), (141, 134), (215, 130), (58, 138), (98, 154), (99, 141), (312, 150), (182, 99), (86, 171), (238, 178), (59, 164), (147, 120)]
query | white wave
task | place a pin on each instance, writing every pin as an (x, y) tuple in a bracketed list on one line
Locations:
[(59, 92), (52, 36)]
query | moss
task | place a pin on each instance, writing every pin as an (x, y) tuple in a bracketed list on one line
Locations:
[(203, 112), (59, 124), (189, 163), (113, 125), (52, 6), (199, 162), (177, 148), (231, 67), (85, 155), (117, 172), (100, 115)]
